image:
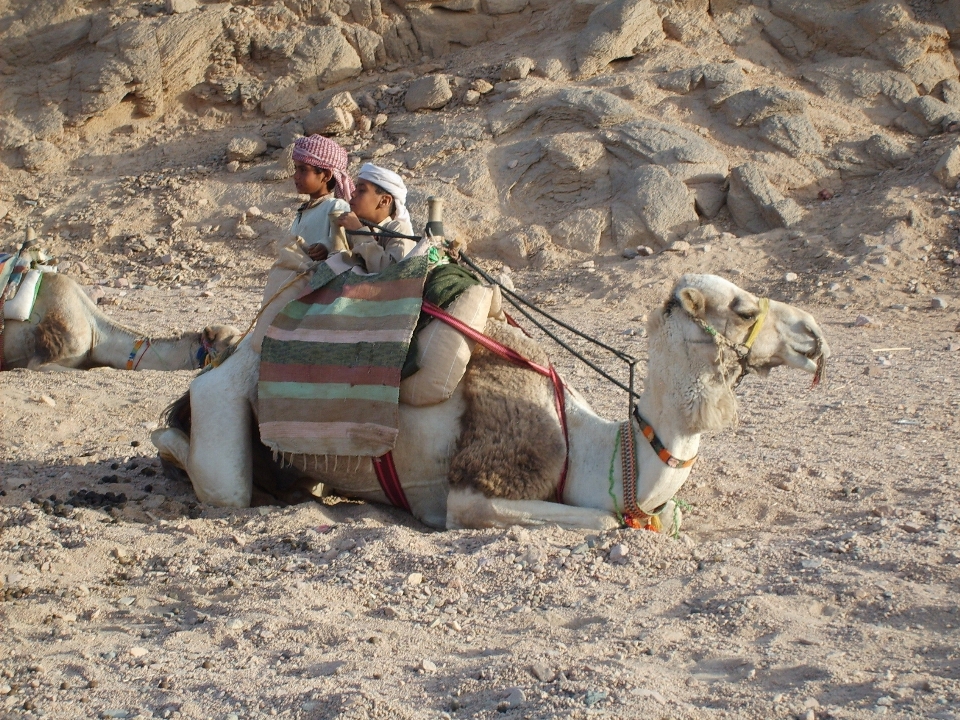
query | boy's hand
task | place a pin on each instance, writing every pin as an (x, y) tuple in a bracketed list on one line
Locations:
[(350, 221), (318, 251)]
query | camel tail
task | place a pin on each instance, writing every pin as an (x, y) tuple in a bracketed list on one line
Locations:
[(177, 414), (51, 337)]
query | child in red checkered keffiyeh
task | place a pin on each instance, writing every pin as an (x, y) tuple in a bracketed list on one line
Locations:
[(320, 172)]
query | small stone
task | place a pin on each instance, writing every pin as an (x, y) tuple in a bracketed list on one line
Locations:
[(938, 303), (232, 166), (245, 232), (47, 400), (825, 194), (791, 277), (380, 119), (953, 347), (514, 698), (593, 697), (644, 250), (874, 372), (864, 321), (234, 624), (254, 211), (618, 553), (166, 259), (138, 652), (414, 578), (481, 86), (471, 97), (911, 527), (543, 673), (629, 253), (428, 665)]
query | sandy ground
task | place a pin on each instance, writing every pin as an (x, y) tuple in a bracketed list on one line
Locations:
[(816, 575)]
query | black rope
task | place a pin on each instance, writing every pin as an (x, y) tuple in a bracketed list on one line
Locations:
[(517, 300), (381, 231)]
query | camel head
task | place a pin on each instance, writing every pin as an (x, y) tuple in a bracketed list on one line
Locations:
[(771, 333), (717, 332), (217, 339)]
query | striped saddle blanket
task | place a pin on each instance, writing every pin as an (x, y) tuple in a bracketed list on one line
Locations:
[(331, 361)]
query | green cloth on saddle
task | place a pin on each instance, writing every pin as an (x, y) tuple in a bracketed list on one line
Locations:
[(331, 360), (444, 285)]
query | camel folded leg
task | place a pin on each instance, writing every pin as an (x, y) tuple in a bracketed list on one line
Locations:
[(467, 508)]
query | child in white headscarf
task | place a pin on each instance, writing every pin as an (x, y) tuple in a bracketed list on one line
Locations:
[(380, 197)]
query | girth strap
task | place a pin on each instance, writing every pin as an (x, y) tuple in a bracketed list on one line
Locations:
[(387, 477)]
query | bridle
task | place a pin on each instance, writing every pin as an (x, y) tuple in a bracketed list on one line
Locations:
[(740, 350)]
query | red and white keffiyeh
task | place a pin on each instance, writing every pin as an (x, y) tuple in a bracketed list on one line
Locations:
[(322, 152)]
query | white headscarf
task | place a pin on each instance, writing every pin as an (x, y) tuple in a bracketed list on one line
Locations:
[(392, 183)]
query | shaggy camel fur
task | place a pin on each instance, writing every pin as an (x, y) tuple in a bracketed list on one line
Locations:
[(67, 331), (692, 367)]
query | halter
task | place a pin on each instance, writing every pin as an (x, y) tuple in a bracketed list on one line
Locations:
[(140, 347), (741, 350), (206, 355)]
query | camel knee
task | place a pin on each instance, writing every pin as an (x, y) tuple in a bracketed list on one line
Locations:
[(172, 445)]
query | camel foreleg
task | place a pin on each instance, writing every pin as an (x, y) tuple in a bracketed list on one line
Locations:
[(469, 509), (220, 463)]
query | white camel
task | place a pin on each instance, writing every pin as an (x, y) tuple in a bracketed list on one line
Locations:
[(700, 341), (67, 331)]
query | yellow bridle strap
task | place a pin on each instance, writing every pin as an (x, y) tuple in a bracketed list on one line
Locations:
[(758, 323)]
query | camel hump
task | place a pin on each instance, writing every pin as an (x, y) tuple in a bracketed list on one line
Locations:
[(52, 337), (511, 444)]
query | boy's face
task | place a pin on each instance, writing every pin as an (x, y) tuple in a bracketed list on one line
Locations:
[(368, 204), (310, 180)]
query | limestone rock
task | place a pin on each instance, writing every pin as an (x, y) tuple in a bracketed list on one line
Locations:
[(651, 207), (947, 170), (581, 230), (283, 96), (794, 134), (325, 120), (517, 69), (886, 151), (437, 28), (751, 107), (428, 93), (323, 57), (41, 156), (755, 204), (617, 29), (504, 7), (174, 7), (245, 148), (684, 154)]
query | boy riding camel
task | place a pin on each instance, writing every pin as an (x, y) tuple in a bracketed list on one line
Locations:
[(320, 171), (379, 199)]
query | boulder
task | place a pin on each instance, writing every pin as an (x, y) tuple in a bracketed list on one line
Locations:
[(517, 69), (618, 29), (581, 230), (436, 29), (682, 153), (755, 204), (326, 120), (428, 93), (175, 7), (885, 151), (651, 208), (323, 57), (42, 156), (794, 134), (947, 170), (245, 148)]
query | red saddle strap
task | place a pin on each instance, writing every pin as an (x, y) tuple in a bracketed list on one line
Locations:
[(389, 482)]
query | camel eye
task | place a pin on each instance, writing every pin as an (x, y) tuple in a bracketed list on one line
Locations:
[(747, 314)]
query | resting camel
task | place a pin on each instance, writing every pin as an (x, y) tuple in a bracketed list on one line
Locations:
[(67, 331), (492, 455)]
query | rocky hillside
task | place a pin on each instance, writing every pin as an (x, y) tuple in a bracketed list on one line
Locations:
[(821, 134)]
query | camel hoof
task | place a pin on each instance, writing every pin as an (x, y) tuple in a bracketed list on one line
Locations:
[(172, 471)]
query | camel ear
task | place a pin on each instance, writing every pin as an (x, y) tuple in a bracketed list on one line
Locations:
[(693, 302)]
